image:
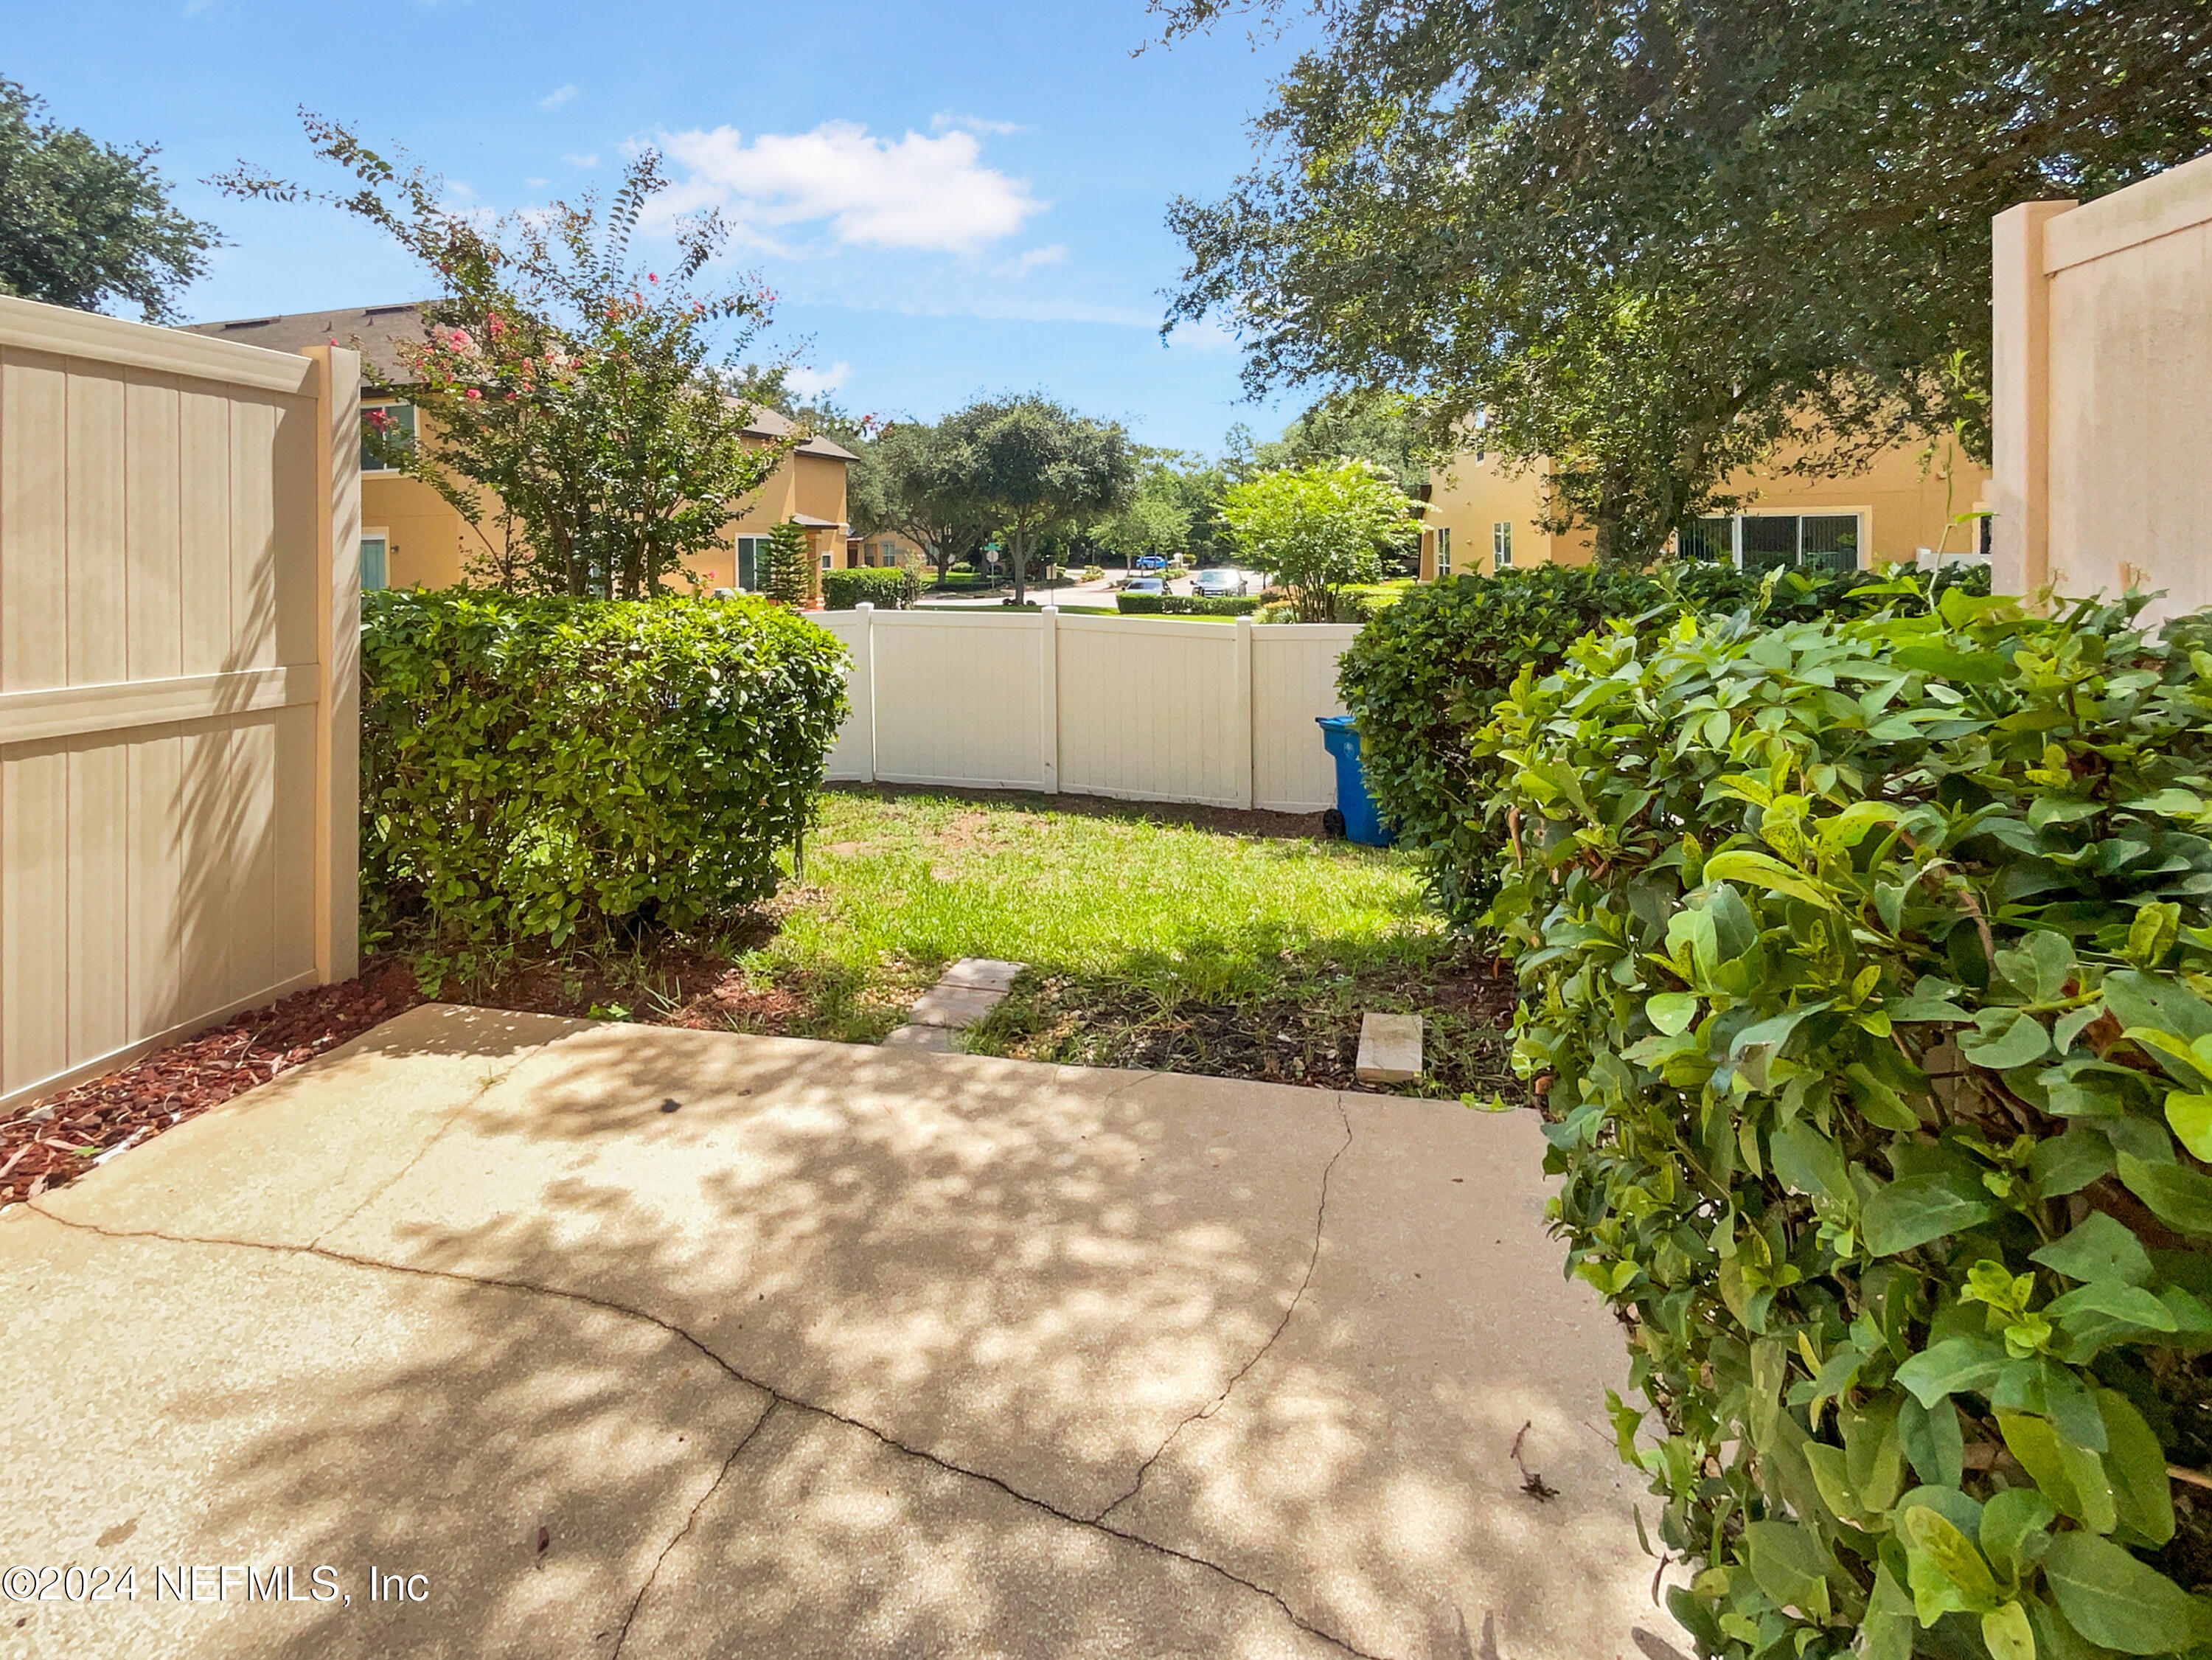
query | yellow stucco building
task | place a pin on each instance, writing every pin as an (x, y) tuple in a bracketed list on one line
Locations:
[(1483, 516), (411, 538)]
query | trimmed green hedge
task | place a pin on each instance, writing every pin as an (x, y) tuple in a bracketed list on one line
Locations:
[(1865, 968), (1183, 605), (531, 767), (886, 588), (1426, 672)]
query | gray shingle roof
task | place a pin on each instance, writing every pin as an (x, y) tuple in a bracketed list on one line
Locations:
[(375, 332)]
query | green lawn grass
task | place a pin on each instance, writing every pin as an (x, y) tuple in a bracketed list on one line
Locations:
[(1151, 939), (899, 884), (1155, 937)]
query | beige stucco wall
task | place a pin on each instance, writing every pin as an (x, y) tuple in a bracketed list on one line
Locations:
[(1470, 495), (2102, 400), (1906, 499), (430, 545)]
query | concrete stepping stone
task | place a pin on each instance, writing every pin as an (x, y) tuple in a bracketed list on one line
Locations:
[(963, 994), (953, 1006), (981, 974), (1389, 1048)]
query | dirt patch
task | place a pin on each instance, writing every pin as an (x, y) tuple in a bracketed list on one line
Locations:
[(1232, 821), (1468, 1007)]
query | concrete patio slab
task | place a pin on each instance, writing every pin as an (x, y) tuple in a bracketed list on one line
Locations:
[(856, 1351)]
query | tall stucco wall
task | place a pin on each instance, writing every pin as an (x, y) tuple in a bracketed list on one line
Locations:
[(2102, 400)]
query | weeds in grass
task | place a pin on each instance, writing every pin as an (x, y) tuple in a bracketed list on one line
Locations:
[(1158, 937)]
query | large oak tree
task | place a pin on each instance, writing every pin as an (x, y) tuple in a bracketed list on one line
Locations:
[(1656, 241), (86, 224)]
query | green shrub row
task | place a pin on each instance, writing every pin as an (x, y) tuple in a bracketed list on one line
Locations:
[(1426, 672), (1865, 967), (1183, 605), (885, 588), (531, 767)]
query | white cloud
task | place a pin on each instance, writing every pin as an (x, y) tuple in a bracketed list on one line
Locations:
[(537, 184), (1052, 253), (950, 121), (591, 160), (911, 192), (558, 96), (810, 384), (1205, 335)]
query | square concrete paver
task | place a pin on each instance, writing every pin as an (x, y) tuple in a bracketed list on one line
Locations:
[(953, 1006), (857, 1351), (981, 974)]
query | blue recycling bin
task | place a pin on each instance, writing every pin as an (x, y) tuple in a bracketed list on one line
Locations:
[(1362, 822)]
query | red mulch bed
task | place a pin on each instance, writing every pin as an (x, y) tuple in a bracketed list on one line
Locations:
[(62, 1137), (53, 1143)]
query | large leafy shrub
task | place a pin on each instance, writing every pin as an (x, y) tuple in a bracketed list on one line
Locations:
[(1426, 672), (1866, 968), (886, 588), (530, 766)]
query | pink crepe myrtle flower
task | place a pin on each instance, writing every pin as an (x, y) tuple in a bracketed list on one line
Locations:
[(472, 394)]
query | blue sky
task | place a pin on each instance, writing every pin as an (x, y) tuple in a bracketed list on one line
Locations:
[(949, 198)]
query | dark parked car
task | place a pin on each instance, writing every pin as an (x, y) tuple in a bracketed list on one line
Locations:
[(1221, 585), (1146, 585)]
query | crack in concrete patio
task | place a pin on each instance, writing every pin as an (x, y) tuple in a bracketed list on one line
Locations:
[(1321, 1221), (777, 1397)]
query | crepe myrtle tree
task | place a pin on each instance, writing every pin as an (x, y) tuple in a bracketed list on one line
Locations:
[(1319, 529), (590, 423), (1034, 467)]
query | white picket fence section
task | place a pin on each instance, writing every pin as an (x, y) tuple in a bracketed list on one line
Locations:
[(1140, 708)]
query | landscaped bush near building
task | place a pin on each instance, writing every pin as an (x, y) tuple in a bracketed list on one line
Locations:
[(1426, 672), (1867, 969), (1184, 605), (886, 589), (531, 767)]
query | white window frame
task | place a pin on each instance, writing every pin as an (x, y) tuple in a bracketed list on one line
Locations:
[(1444, 550), (1501, 545), (1864, 515)]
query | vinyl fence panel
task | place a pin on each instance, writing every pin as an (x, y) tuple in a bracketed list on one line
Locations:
[(1293, 685), (1144, 709), (179, 622), (2102, 376)]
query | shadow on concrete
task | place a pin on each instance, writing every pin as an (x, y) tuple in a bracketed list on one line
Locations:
[(1280, 1341)]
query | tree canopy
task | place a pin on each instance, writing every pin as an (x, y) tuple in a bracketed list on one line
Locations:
[(908, 479), (1654, 240), (88, 224), (1034, 467), (583, 426)]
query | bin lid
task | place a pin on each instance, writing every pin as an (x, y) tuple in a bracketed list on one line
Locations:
[(1333, 722)]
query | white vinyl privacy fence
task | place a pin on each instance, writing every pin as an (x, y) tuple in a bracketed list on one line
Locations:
[(179, 719), (1142, 709)]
